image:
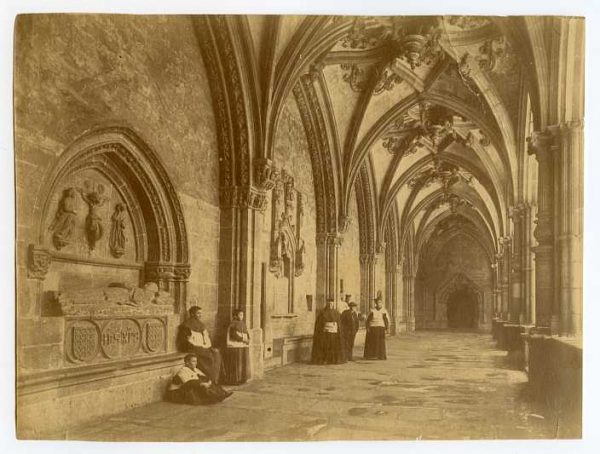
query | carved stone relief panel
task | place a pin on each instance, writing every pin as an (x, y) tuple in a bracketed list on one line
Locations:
[(115, 299), (95, 340), (287, 244), (89, 218)]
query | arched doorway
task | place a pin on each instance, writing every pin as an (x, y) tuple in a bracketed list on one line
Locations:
[(462, 309)]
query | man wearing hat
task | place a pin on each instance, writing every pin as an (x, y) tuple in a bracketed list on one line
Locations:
[(349, 322), (377, 325)]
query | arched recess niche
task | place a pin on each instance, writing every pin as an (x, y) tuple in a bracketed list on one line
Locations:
[(102, 285), (454, 283)]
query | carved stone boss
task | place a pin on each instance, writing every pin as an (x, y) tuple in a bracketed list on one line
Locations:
[(287, 245), (97, 340)]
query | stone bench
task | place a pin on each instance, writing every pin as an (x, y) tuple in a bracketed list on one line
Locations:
[(287, 350)]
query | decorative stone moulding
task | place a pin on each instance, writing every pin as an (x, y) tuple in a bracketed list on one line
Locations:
[(39, 261), (161, 272), (94, 340)]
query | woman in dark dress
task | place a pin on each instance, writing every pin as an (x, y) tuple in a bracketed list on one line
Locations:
[(237, 361)]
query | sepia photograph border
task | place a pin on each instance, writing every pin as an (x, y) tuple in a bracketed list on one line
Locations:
[(591, 375)]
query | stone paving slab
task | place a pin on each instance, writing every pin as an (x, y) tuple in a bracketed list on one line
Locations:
[(434, 385)]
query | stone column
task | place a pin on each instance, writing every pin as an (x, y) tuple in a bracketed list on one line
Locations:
[(240, 262), (409, 295), (240, 257), (495, 291), (528, 266), (502, 258), (391, 284), (328, 245), (541, 144), (570, 206), (367, 281), (516, 310)]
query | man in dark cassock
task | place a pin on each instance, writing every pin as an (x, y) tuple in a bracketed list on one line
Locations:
[(190, 386), (327, 340), (349, 321), (377, 325), (193, 338), (236, 355)]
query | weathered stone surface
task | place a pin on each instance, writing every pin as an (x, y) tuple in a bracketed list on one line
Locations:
[(40, 357), (74, 405), (291, 155), (48, 330), (433, 386), (126, 71), (136, 68), (349, 253)]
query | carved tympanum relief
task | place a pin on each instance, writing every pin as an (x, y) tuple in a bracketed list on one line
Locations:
[(88, 206)]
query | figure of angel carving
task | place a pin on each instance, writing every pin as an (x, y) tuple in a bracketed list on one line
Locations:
[(93, 222), (117, 238), (63, 224)]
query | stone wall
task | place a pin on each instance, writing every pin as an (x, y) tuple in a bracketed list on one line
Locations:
[(461, 256), (292, 157), (349, 253), (75, 74)]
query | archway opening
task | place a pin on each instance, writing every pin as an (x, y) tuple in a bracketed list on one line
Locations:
[(462, 309)]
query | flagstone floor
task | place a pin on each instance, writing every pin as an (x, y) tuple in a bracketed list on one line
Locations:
[(434, 385)]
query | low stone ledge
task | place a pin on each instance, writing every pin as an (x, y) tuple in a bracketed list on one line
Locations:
[(290, 349), (50, 403), (555, 374), (42, 381)]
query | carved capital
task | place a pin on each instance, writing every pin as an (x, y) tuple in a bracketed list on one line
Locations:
[(159, 272), (330, 238), (182, 272), (343, 223), (39, 262), (381, 247), (368, 259), (540, 143), (243, 197), (517, 212), (265, 174), (544, 230)]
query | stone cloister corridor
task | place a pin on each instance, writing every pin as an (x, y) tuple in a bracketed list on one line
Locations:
[(435, 385), (232, 185)]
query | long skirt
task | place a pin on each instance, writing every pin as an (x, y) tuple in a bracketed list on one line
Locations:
[(375, 343), (193, 393), (349, 345), (210, 362), (237, 365), (329, 349)]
